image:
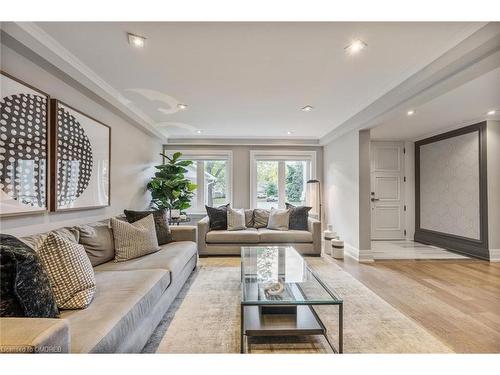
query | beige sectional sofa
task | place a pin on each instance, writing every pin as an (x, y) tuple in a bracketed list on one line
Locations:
[(131, 298), (224, 242)]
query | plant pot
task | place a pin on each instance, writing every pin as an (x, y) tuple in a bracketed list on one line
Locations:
[(175, 214)]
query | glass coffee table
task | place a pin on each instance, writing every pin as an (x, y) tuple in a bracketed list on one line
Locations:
[(279, 292)]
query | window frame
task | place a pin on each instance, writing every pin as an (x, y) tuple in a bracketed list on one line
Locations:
[(279, 156), (203, 155)]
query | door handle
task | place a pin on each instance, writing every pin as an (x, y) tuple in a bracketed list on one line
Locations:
[(374, 199)]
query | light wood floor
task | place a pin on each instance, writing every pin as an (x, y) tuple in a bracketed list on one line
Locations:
[(456, 300)]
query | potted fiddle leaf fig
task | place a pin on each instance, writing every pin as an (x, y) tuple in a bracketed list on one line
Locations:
[(169, 187)]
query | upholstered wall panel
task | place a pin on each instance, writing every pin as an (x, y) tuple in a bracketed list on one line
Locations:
[(449, 186)]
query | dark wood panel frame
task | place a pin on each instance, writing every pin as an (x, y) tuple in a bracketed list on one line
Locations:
[(468, 246), (47, 151), (54, 104)]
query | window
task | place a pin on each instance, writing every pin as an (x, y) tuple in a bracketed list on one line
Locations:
[(280, 177), (211, 171)]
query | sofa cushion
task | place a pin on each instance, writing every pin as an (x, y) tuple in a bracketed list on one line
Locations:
[(133, 240), (70, 272), (217, 217), (249, 235), (70, 233), (299, 216), (172, 257), (249, 218), (260, 218), (289, 236), (122, 301), (97, 239), (278, 219), (25, 289), (236, 219), (163, 233)]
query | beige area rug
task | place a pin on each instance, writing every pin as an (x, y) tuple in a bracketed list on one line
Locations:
[(207, 317)]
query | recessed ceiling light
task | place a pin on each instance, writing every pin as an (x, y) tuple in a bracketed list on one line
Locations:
[(181, 106), (411, 112), (492, 112), (289, 132), (198, 132), (307, 108), (136, 40), (355, 46)]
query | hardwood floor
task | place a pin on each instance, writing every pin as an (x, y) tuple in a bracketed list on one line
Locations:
[(456, 300)]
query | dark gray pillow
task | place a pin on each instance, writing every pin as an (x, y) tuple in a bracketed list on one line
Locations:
[(97, 239), (217, 217), (25, 286), (298, 216), (163, 233)]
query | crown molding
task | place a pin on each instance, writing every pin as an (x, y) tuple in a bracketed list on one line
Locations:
[(184, 141), (42, 44), (474, 56)]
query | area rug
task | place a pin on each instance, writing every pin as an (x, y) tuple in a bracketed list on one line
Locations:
[(205, 318)]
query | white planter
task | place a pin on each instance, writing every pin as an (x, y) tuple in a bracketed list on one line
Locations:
[(337, 249), (174, 214)]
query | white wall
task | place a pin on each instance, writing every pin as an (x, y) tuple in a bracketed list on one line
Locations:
[(133, 151), (493, 172), (342, 190)]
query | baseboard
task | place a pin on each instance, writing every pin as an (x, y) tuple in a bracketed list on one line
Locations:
[(494, 255), (359, 255)]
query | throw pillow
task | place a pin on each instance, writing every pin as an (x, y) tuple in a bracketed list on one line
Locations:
[(25, 287), (217, 217), (133, 240), (260, 218), (236, 219), (70, 272), (97, 239), (163, 233), (278, 219), (299, 216), (249, 218)]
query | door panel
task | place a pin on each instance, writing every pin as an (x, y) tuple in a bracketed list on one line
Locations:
[(387, 182)]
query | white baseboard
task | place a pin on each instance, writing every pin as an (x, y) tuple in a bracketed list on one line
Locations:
[(359, 255), (494, 255)]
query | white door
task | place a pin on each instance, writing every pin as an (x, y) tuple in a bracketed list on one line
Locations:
[(387, 190)]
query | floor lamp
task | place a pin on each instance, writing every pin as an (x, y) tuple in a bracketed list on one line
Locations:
[(314, 196)]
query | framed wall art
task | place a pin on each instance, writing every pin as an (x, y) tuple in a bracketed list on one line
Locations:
[(24, 139), (80, 159)]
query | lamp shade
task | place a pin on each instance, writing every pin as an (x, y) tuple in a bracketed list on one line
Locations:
[(313, 196)]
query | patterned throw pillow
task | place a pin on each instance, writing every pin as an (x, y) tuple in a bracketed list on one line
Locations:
[(70, 272), (133, 240), (236, 219), (278, 219), (163, 233), (260, 218), (25, 287), (217, 217), (299, 216)]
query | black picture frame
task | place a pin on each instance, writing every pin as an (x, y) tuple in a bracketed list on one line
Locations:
[(477, 248)]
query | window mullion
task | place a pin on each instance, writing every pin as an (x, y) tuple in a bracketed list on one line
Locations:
[(200, 179), (281, 184)]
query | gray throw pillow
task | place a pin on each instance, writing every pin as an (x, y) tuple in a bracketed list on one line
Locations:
[(163, 233), (299, 216), (260, 218), (278, 219), (217, 217), (249, 218), (97, 239), (133, 240), (236, 219)]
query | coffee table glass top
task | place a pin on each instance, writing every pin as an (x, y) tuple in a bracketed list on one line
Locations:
[(278, 275)]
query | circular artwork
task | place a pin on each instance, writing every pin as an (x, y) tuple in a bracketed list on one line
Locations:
[(23, 142), (74, 154)]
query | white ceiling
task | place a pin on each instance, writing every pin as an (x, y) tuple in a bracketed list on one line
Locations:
[(465, 105), (251, 79)]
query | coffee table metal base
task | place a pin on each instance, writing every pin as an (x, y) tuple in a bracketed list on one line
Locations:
[(304, 321)]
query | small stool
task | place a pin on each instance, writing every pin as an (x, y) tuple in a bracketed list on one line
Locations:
[(337, 248)]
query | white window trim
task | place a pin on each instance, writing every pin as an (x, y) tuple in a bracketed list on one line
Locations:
[(207, 154), (277, 155)]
